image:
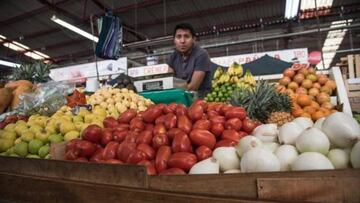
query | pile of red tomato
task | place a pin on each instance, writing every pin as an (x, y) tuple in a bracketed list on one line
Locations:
[(167, 139)]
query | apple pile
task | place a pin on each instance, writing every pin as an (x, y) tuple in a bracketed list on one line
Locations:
[(167, 139), (310, 92)]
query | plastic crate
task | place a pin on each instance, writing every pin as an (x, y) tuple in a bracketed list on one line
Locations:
[(169, 96)]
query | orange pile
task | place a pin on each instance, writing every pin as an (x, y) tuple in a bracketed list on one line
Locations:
[(310, 92)]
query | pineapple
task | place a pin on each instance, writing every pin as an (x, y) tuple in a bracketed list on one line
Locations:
[(34, 72), (261, 101), (280, 118)]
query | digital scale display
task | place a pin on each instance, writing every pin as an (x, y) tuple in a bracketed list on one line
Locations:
[(155, 85)]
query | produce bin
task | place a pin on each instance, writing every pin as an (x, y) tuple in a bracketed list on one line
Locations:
[(36, 180), (169, 96)]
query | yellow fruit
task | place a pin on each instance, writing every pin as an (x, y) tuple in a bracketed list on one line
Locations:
[(66, 127)]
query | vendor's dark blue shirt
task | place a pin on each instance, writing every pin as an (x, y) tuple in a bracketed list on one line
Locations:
[(198, 60)]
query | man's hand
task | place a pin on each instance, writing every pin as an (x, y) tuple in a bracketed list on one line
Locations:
[(170, 70), (196, 80)]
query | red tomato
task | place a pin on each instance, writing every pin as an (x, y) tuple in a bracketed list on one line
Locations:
[(131, 136), (172, 132), (107, 136), (181, 143), (203, 152), (162, 158), (249, 125), (135, 157), (160, 140), (182, 160), (137, 124), (170, 121), (149, 127), (212, 114), (226, 143), (159, 128), (233, 124), (112, 161), (218, 119), (124, 150), (236, 112), (173, 171), (119, 136), (150, 168), (202, 124), (149, 151), (110, 150), (180, 110), (161, 119), (195, 112), (144, 137), (203, 137), (184, 123), (126, 116), (217, 129), (98, 156), (231, 135)]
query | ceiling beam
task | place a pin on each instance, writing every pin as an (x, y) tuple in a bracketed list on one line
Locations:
[(26, 15), (200, 13)]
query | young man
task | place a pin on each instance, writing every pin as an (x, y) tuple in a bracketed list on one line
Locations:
[(189, 61)]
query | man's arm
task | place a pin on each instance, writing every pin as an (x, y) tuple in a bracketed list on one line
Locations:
[(170, 70), (196, 80)]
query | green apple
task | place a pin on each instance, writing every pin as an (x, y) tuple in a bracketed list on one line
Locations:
[(83, 112), (34, 156), (44, 150), (66, 127), (10, 127), (14, 155), (71, 135), (18, 140), (77, 119), (35, 128), (48, 156), (10, 150), (21, 149), (8, 135), (34, 146), (43, 136), (27, 135), (5, 144), (19, 128), (55, 138)]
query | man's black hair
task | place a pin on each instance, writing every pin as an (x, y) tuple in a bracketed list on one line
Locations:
[(185, 26)]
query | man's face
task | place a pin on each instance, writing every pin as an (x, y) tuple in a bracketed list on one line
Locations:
[(183, 40)]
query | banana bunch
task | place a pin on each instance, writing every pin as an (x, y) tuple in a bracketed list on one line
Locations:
[(224, 78), (235, 70), (249, 78), (219, 71)]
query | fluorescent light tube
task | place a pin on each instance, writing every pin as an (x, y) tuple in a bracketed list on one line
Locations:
[(74, 29), (33, 55), (13, 46), (291, 8), (8, 63)]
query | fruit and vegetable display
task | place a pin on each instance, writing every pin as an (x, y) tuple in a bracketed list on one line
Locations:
[(167, 139), (117, 101), (226, 81), (309, 91)]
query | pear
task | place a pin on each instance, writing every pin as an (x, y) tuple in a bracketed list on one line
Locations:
[(71, 135), (77, 118), (10, 127), (55, 138), (21, 149), (34, 146), (8, 135), (89, 118), (99, 111), (44, 151), (66, 127), (10, 151), (35, 128), (83, 112), (42, 135), (27, 135), (5, 144), (19, 128)]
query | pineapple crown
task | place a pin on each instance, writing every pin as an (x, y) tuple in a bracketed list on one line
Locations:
[(34, 72)]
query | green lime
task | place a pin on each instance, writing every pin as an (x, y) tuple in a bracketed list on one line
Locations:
[(216, 89), (216, 99)]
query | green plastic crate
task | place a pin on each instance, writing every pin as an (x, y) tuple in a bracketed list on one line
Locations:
[(169, 96)]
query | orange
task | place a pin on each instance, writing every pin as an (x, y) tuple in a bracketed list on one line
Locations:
[(303, 100), (315, 105), (307, 115), (317, 115), (309, 109), (297, 112)]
